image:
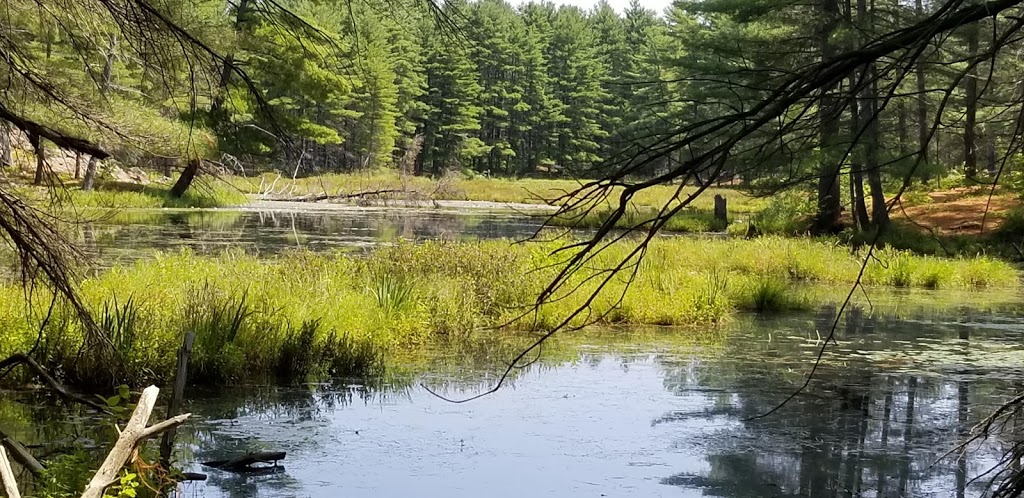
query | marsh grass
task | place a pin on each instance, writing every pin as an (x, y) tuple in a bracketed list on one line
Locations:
[(111, 195), (394, 294), (303, 314), (785, 213), (769, 294)]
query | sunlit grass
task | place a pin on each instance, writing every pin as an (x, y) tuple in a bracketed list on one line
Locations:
[(335, 313), (206, 195)]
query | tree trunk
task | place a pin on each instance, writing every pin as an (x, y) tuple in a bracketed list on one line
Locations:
[(901, 127), (90, 173), (872, 136), (860, 210), (229, 62), (6, 153), (971, 102), (37, 147), (185, 180), (78, 165), (108, 66), (879, 210), (991, 160), (829, 202), (922, 110)]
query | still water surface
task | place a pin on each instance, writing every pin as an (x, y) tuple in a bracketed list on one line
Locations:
[(271, 229), (652, 414)]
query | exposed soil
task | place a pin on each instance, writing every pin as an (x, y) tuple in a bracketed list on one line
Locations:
[(958, 211)]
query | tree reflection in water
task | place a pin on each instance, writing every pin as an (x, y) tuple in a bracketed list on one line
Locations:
[(861, 429)]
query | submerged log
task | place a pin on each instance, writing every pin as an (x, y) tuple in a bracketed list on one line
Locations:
[(20, 358), (244, 463)]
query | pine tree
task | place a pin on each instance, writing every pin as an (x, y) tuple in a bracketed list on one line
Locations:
[(577, 71), (453, 116)]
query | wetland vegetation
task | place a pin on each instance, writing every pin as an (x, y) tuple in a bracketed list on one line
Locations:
[(302, 314)]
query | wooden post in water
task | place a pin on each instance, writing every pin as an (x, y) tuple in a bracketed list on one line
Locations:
[(167, 443), (721, 211)]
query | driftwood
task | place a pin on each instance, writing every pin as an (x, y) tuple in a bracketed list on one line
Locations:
[(20, 358), (7, 476), (21, 455), (133, 434), (244, 463), (338, 197)]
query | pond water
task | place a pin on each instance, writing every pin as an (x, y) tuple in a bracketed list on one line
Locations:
[(273, 227), (644, 413)]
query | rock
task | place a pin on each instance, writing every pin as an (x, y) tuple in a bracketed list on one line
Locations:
[(138, 176), (114, 173), (133, 175)]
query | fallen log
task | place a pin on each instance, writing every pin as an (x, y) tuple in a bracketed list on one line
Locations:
[(244, 463), (7, 476), (338, 197), (21, 455), (20, 358), (192, 476), (133, 434)]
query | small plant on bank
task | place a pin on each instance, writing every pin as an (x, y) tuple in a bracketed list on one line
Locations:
[(768, 294)]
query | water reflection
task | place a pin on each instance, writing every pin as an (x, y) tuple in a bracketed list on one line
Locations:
[(132, 235), (662, 419), (647, 413)]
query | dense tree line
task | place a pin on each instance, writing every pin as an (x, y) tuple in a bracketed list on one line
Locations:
[(536, 89)]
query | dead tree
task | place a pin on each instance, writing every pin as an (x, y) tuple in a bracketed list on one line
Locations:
[(136, 432)]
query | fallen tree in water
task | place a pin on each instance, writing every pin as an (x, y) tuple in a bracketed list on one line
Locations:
[(134, 434), (245, 462), (334, 197)]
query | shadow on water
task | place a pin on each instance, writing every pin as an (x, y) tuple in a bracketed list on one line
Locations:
[(656, 412)]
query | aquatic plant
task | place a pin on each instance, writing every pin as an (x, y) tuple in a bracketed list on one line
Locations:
[(394, 294)]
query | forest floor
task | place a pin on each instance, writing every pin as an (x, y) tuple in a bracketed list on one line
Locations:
[(960, 211)]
